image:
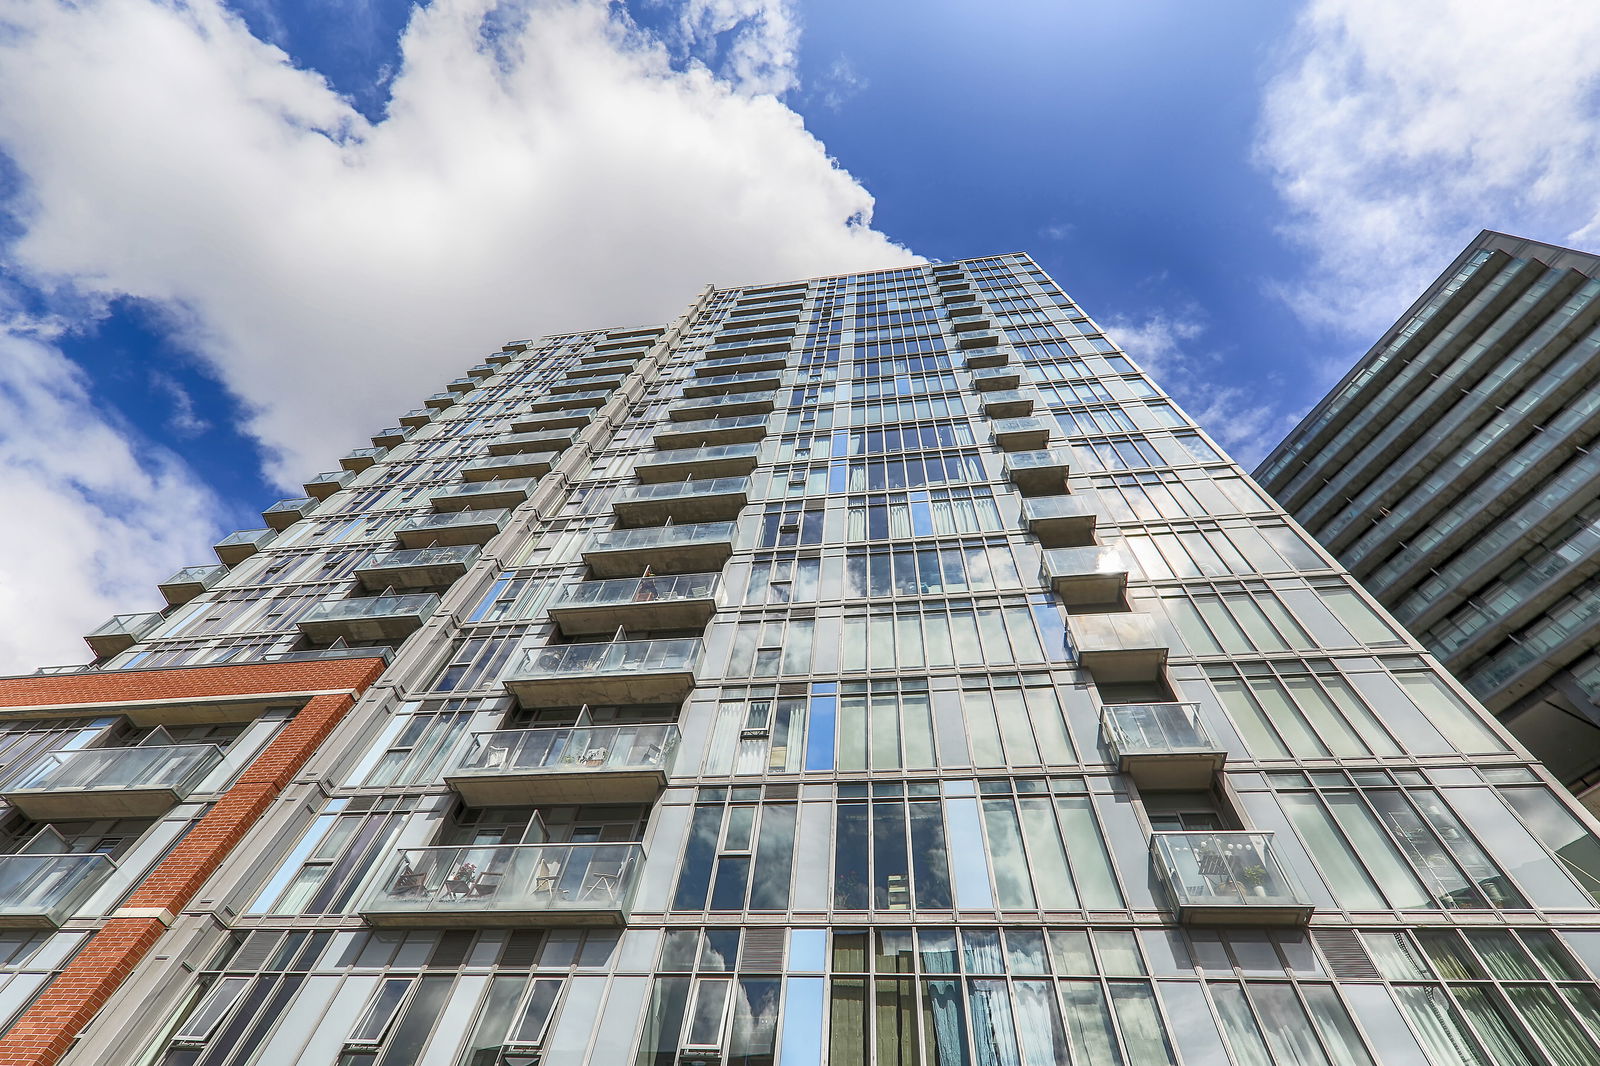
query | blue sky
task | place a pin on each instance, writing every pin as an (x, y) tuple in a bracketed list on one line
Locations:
[(239, 238)]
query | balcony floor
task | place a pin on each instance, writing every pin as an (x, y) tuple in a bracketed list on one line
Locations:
[(582, 784), (668, 686)]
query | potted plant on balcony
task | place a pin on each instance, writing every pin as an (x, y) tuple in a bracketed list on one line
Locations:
[(1255, 879)]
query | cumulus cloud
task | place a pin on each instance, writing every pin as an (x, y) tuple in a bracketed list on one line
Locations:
[(91, 521), (541, 165), (1395, 132)]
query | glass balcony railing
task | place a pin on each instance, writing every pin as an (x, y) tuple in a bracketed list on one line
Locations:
[(686, 463), (440, 400), (417, 417), (138, 782), (980, 358), (451, 527), (190, 582), (1117, 646), (1086, 576), (235, 548), (1060, 521), (732, 429), (120, 632), (604, 386), (566, 764), (416, 567), (723, 384), (697, 547), (1007, 403), (515, 465), (743, 364), (462, 385), (506, 885), (1039, 473), (619, 672), (733, 350), (703, 407), (667, 601), (563, 401), (709, 499), (1219, 878), (43, 891), (554, 420), (324, 485), (979, 338), (549, 440), (996, 378), (507, 492), (392, 436), (1021, 434), (361, 458), (285, 513), (1161, 745), (368, 617)]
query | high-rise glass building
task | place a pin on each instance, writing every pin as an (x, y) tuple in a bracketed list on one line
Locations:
[(875, 669), (1455, 470)]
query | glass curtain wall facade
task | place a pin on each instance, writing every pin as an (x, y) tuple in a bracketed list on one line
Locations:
[(1456, 472), (875, 669)]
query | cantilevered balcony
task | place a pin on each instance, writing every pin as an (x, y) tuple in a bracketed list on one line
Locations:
[(416, 568), (324, 485), (729, 384), (1117, 647), (555, 420), (362, 458), (510, 467), (708, 500), (742, 364), (43, 891), (1227, 878), (997, 379), (1086, 577), (1060, 521), (482, 371), (508, 885), (285, 513), (607, 368), (508, 492), (393, 435), (190, 582), (1040, 473), (683, 464), (584, 386), (565, 764), (969, 322), (120, 632), (462, 385), (1021, 434), (739, 403), (550, 440), (655, 602), (1162, 746), (417, 417), (983, 358), (619, 672), (627, 338), (735, 349), (440, 400), (502, 357), (962, 305), (567, 401), (688, 549), (452, 527), (137, 782), (1007, 404), (734, 429), (368, 618), (235, 548)]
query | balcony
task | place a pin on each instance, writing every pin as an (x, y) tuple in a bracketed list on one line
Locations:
[(452, 527), (362, 458), (609, 368), (43, 891), (235, 548), (743, 364), (550, 440), (190, 582), (735, 429), (587, 398), (1007, 404), (138, 782), (729, 384), (983, 358), (120, 632), (462, 385), (1162, 746), (628, 338), (1060, 521), (1227, 878), (482, 371), (1117, 647), (510, 467), (738, 349), (1095, 576), (416, 418), (619, 672), (556, 420), (285, 513), (668, 601), (508, 492), (1021, 434), (683, 464), (504, 356), (739, 403), (393, 435), (962, 305), (1040, 473), (689, 549), (416, 568), (709, 500), (368, 618), (508, 885), (440, 400), (585, 386), (969, 322), (324, 485), (568, 764), (997, 379)]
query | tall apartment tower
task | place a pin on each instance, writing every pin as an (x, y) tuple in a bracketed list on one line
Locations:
[(1455, 470), (869, 670)]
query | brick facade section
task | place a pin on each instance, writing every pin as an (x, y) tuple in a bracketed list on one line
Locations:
[(46, 1030)]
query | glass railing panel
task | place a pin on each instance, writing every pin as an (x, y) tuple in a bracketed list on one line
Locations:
[(247, 538), (48, 889), (662, 536), (622, 590), (495, 516), (713, 425), (717, 486), (747, 450), (463, 555), (127, 625), (512, 879), (633, 748), (419, 604), (1044, 459), (1223, 869), (205, 576), (675, 655), (1155, 729), (1047, 507), (175, 767)]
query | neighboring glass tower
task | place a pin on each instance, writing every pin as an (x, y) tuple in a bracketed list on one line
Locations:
[(1456, 472), (871, 670)]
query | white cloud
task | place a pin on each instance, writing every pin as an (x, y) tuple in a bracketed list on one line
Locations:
[(90, 522), (541, 167), (1395, 131)]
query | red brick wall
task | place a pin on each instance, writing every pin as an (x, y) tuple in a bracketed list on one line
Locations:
[(46, 1030)]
